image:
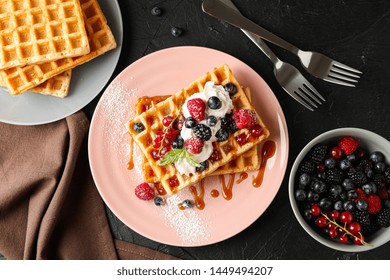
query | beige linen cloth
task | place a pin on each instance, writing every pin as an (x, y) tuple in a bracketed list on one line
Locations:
[(49, 205)]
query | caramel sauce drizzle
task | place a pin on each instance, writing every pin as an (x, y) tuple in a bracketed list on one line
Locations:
[(267, 152), (243, 176), (214, 193), (199, 198), (130, 164), (227, 189)]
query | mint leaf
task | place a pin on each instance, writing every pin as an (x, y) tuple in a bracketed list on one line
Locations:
[(190, 160), (172, 156)]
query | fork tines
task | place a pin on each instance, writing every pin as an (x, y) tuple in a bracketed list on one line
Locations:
[(343, 75), (308, 96)]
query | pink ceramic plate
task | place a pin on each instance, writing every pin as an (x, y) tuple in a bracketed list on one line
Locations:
[(166, 72)]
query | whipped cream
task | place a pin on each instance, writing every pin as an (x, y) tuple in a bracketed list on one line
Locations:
[(210, 90)]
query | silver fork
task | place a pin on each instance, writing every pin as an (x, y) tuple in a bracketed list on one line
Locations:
[(315, 63), (290, 79)]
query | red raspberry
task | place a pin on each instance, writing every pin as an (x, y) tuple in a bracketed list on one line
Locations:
[(374, 204), (361, 194), (194, 145), (196, 108), (348, 144), (244, 118), (144, 191)]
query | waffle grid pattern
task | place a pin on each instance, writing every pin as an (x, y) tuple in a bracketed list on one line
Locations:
[(170, 179), (34, 31), (101, 40), (245, 162)]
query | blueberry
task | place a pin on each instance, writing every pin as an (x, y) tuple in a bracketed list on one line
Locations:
[(349, 205), (211, 121), (178, 143), (176, 31), (300, 195), (377, 157), (202, 131), (222, 134), (312, 196), (369, 173), (319, 187), (304, 179), (351, 194), (369, 188), (348, 184), (202, 167), (338, 205), (336, 190), (345, 164), (190, 122), (380, 167), (351, 157), (325, 204), (321, 175), (386, 203), (156, 11), (158, 201), (361, 205), (214, 103), (307, 215), (138, 127), (330, 163), (187, 203), (230, 88)]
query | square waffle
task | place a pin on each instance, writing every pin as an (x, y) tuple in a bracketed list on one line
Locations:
[(169, 177), (101, 40), (245, 162), (56, 86), (36, 31)]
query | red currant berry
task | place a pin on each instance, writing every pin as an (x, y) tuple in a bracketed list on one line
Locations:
[(164, 151), (167, 120), (241, 139), (321, 222), (155, 155), (360, 152), (336, 152), (331, 226), (343, 238), (358, 240), (156, 143), (315, 209), (256, 130), (346, 217), (333, 233), (354, 228), (320, 168), (334, 215)]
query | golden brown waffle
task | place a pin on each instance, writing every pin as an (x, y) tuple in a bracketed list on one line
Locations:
[(56, 86), (101, 40), (36, 31), (245, 162), (169, 177)]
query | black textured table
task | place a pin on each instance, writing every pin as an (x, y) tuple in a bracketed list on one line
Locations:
[(355, 32)]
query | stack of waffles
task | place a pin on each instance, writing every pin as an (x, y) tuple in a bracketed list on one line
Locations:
[(234, 156), (41, 41)]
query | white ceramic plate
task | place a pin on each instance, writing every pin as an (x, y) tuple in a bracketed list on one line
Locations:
[(87, 82)]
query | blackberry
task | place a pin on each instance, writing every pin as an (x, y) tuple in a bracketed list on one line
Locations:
[(232, 127), (362, 217), (318, 153), (387, 174), (365, 165), (379, 180), (383, 218), (357, 176), (370, 228), (202, 131), (138, 127), (306, 167), (178, 143), (334, 176)]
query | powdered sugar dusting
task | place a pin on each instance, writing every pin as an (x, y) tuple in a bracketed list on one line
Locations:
[(117, 106), (190, 227)]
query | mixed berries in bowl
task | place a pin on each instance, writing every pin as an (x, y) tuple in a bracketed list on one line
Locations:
[(339, 189)]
